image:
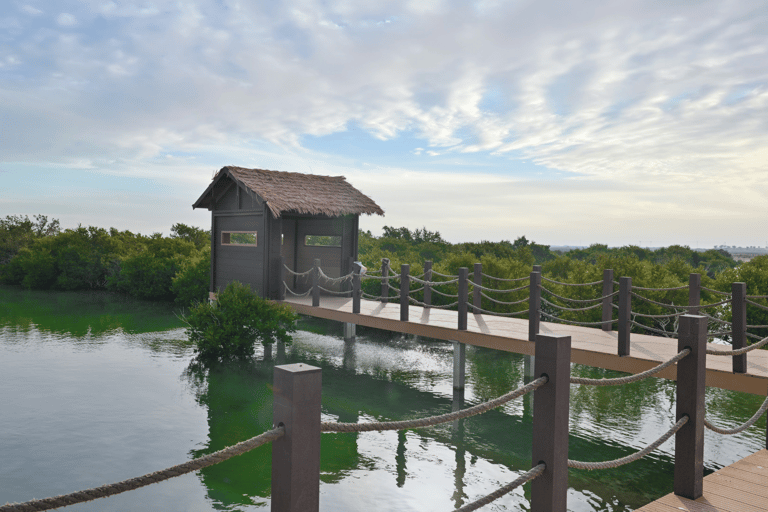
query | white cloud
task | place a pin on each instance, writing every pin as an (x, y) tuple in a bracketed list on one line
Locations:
[(66, 20), (32, 11)]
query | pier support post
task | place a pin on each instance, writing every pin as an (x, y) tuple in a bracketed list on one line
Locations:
[(459, 365), (357, 291), (477, 280), (550, 423), (463, 296), (529, 362), (534, 305), (625, 314), (316, 284), (689, 440), (428, 287), (405, 288), (694, 293), (385, 281), (608, 301), (739, 324), (350, 330), (296, 455)]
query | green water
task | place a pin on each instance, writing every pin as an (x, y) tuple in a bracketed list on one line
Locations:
[(97, 388)]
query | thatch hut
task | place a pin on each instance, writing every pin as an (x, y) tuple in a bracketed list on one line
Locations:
[(259, 216)]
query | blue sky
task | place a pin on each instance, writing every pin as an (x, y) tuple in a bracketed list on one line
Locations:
[(569, 122)]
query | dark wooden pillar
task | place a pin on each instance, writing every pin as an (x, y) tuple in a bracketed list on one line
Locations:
[(534, 305), (356, 289), (691, 374), (739, 324), (463, 297), (550, 423), (625, 314), (694, 293), (316, 284), (428, 287), (405, 288), (477, 279), (607, 302), (384, 282), (296, 455), (281, 284)]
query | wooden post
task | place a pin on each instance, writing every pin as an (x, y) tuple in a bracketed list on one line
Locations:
[(356, 289), (477, 279), (296, 455), (607, 302), (550, 423), (625, 314), (459, 365), (694, 293), (405, 288), (691, 374), (316, 284), (384, 282), (739, 324), (463, 296), (427, 287), (281, 286), (534, 305)]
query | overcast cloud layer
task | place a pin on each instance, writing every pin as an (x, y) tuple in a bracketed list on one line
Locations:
[(567, 121)]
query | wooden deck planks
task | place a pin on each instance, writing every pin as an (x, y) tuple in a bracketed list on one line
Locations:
[(740, 487), (590, 346)]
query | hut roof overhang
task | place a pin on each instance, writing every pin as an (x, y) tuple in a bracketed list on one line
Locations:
[(292, 192)]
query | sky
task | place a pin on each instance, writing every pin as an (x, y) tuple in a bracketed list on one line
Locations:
[(569, 122)]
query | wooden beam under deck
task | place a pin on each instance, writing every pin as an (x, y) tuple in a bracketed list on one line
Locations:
[(590, 346)]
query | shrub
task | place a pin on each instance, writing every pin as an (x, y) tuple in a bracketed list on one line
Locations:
[(230, 327), (191, 283)]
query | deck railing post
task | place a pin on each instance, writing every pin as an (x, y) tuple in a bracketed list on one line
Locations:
[(281, 286), (625, 314), (534, 305), (316, 284), (428, 287), (694, 293), (405, 290), (385, 281), (739, 324), (691, 375), (356, 288), (607, 301), (477, 279), (549, 491), (296, 455), (463, 297)]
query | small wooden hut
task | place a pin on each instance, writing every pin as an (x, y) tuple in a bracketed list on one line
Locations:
[(259, 216)]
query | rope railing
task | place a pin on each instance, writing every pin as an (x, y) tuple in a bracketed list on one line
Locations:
[(342, 279), (433, 283), (449, 276), (714, 319), (516, 280), (512, 303), (593, 283), (756, 296), (497, 290), (631, 378), (675, 306), (741, 428), (431, 421), (288, 289), (718, 333), (668, 315), (574, 322), (525, 477), (449, 295), (334, 292), (712, 290), (298, 274), (739, 351), (104, 491), (581, 301), (685, 287), (487, 312), (761, 306), (610, 464), (563, 308), (653, 329)]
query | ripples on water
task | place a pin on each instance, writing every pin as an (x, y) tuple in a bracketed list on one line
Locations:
[(96, 393)]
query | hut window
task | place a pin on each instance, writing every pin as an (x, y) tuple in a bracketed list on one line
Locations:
[(322, 240), (238, 238)]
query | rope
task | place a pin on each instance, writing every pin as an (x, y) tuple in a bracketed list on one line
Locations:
[(670, 315), (496, 290), (451, 295), (434, 283), (103, 491), (294, 293), (525, 477), (581, 301), (571, 284), (757, 304), (333, 292), (660, 289), (718, 333), (741, 428), (757, 326), (756, 296), (393, 288), (574, 322), (434, 420), (378, 278), (446, 306), (652, 329), (444, 275), (504, 303), (738, 351), (609, 464), (485, 311), (297, 273), (722, 322), (676, 306), (416, 290), (507, 280), (631, 378), (753, 336), (378, 297), (557, 306), (716, 291), (341, 279)]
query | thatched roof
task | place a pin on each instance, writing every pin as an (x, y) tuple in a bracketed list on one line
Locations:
[(292, 192)]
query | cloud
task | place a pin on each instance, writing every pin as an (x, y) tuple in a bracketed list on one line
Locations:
[(66, 20)]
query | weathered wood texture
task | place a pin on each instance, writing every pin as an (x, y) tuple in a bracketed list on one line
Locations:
[(740, 487), (590, 346)]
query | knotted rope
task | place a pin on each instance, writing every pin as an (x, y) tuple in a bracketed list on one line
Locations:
[(738, 351), (525, 477), (631, 378), (744, 426)]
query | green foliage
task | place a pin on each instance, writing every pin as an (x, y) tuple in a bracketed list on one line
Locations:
[(200, 237), (192, 281), (17, 232), (231, 326)]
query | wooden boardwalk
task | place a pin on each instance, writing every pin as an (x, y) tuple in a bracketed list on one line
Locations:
[(589, 346), (740, 487)]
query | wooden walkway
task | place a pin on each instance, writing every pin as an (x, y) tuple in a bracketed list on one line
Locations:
[(740, 487), (589, 346)]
